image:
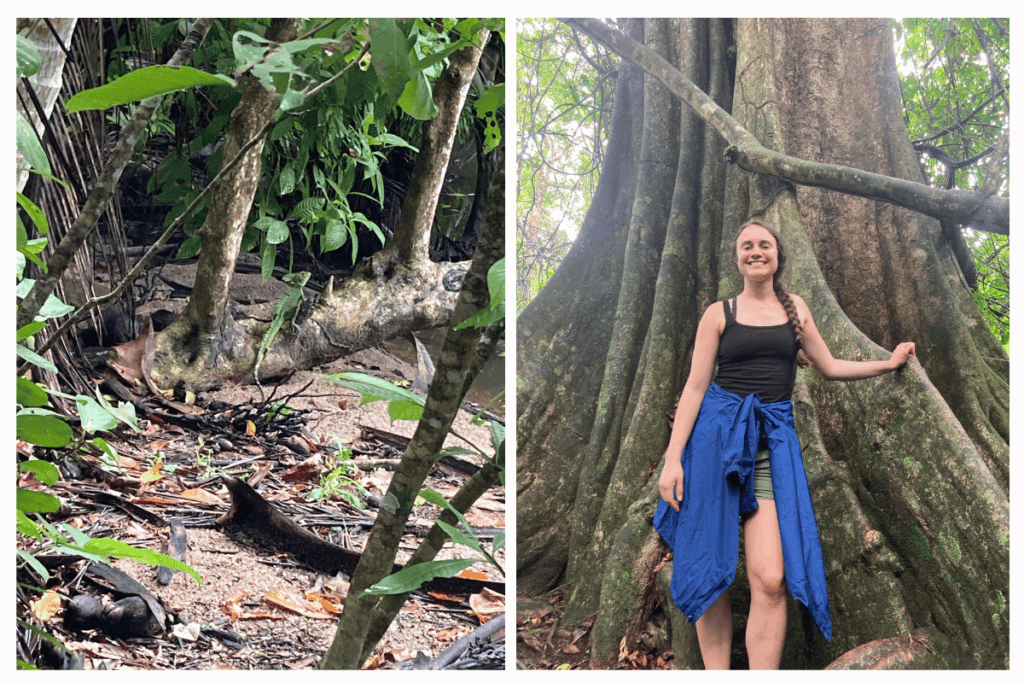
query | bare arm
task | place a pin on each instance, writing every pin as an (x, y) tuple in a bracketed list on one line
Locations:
[(844, 370), (702, 366)]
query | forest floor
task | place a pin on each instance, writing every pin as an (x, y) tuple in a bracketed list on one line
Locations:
[(544, 642), (246, 590)]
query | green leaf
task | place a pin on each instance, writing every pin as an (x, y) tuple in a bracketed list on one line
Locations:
[(308, 208), (439, 56), (43, 430), (497, 434), (410, 578), (30, 146), (44, 471), (287, 180), (417, 100), (35, 214), (390, 56), (34, 358), (405, 410), (495, 309), (392, 140), (123, 413), (335, 235), (22, 245), (35, 564), (432, 496), (141, 84), (459, 537), (54, 308), (35, 501), (268, 254), (190, 247), (277, 230), (75, 535), (27, 527), (105, 447), (30, 329), (282, 128), (374, 388), (95, 418), (30, 394), (29, 59), (499, 542), (246, 53), (109, 547), (487, 110)]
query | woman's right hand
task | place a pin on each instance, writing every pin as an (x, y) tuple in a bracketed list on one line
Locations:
[(671, 479)]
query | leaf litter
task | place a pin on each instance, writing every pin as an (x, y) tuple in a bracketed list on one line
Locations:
[(284, 614)]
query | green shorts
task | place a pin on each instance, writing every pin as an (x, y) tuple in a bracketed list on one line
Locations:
[(763, 476)]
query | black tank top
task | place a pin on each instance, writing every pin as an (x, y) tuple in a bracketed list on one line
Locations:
[(754, 359)]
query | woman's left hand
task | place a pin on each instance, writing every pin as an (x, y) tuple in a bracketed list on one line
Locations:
[(902, 352)]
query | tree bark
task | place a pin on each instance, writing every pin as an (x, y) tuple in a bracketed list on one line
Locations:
[(197, 338), (412, 236), (908, 472)]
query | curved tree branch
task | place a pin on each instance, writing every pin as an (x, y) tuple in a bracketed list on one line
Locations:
[(974, 209)]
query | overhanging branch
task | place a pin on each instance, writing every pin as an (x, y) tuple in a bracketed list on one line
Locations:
[(978, 210)]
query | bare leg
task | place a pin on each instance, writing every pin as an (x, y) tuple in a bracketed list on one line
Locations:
[(714, 633), (766, 627)]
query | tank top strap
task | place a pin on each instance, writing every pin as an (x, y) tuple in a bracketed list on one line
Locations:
[(730, 310)]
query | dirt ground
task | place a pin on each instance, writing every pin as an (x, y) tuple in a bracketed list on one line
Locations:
[(544, 642), (244, 588)]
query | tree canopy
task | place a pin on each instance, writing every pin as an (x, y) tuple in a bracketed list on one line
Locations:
[(955, 90)]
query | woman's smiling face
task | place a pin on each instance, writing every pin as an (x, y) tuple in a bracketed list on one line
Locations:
[(757, 254)]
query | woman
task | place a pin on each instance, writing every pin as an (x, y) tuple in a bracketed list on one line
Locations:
[(741, 452)]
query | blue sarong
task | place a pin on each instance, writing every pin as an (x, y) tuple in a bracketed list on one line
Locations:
[(718, 488)]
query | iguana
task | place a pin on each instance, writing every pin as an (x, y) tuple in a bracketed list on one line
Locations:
[(285, 311)]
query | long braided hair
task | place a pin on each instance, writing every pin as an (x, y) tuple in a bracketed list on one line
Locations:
[(780, 290)]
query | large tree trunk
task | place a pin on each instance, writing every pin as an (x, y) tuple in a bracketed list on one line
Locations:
[(909, 472)]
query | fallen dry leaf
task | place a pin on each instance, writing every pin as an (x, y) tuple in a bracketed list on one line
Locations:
[(307, 470), (201, 495), (487, 604), (443, 597), (293, 603), (452, 634), (155, 500), (230, 606), (304, 663), (46, 605), (152, 474), (329, 602), (470, 574)]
